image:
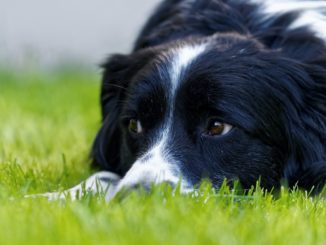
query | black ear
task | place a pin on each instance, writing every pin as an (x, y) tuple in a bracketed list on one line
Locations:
[(105, 152), (118, 73), (307, 168), (314, 175)]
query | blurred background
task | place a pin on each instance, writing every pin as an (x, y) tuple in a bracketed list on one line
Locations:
[(47, 33)]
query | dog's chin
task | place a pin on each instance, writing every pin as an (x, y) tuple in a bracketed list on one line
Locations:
[(112, 186), (126, 187)]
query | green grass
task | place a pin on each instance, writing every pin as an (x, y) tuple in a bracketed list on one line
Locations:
[(47, 124)]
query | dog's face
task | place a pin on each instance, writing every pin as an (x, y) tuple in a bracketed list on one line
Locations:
[(215, 108)]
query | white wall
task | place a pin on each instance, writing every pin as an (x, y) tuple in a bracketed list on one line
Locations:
[(49, 31)]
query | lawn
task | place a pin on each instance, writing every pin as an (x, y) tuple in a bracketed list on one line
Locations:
[(47, 123)]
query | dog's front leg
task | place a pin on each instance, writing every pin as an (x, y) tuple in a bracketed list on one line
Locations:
[(101, 182)]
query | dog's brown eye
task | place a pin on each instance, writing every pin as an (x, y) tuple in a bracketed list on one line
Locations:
[(216, 128), (135, 126)]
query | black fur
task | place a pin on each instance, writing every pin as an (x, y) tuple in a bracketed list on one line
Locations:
[(267, 80)]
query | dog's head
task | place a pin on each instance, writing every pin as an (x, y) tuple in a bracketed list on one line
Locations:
[(219, 107)]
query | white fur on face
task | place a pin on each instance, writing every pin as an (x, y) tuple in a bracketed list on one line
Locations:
[(311, 16), (157, 165), (152, 168), (182, 58)]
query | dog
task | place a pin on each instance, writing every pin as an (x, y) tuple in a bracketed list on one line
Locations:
[(218, 90)]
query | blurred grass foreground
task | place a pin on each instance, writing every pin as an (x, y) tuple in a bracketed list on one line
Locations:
[(47, 124)]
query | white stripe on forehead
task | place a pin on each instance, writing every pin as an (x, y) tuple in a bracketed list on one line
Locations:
[(182, 58), (157, 165)]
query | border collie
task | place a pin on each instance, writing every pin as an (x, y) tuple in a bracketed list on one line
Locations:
[(216, 89)]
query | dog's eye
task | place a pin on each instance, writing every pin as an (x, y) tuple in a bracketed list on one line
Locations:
[(134, 126), (216, 128)]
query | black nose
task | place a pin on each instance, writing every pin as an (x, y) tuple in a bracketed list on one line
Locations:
[(143, 187), (147, 186)]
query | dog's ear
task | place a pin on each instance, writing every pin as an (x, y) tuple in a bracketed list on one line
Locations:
[(118, 73), (308, 132), (314, 175), (105, 152)]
